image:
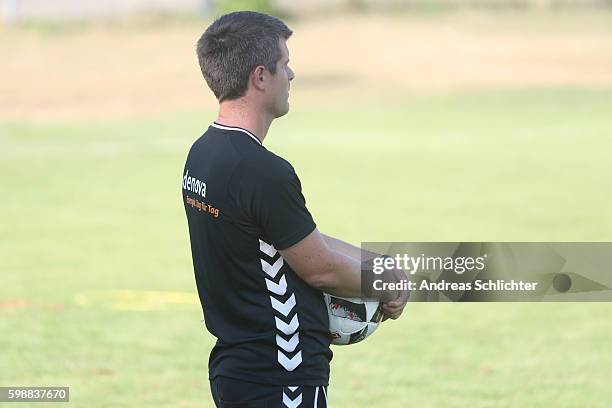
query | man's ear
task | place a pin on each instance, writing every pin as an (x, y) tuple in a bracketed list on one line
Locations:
[(258, 77)]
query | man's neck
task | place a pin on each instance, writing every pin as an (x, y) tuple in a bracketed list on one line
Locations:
[(240, 114)]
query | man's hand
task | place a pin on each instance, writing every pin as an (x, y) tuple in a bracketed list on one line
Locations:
[(394, 308)]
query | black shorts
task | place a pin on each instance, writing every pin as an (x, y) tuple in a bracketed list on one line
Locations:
[(232, 393)]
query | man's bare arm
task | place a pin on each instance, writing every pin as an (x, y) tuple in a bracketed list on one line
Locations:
[(348, 249), (324, 268), (394, 308), (329, 270)]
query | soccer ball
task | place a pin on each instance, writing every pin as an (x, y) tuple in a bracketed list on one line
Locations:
[(352, 319)]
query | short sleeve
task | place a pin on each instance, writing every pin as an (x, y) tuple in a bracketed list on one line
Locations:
[(279, 207)]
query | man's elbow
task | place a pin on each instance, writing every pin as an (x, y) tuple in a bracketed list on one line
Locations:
[(323, 277), (320, 282)]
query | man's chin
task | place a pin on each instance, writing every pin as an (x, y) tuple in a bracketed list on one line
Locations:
[(282, 112)]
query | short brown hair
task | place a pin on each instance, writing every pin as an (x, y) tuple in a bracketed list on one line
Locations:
[(233, 45)]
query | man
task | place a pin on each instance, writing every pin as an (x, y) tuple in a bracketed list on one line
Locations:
[(260, 262)]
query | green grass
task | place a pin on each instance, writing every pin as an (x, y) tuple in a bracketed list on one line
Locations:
[(91, 219)]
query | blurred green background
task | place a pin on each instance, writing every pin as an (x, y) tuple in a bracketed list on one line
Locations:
[(432, 122)]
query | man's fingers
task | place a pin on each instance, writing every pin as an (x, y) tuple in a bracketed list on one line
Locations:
[(393, 303), (393, 312), (400, 301), (392, 316), (394, 308), (403, 296)]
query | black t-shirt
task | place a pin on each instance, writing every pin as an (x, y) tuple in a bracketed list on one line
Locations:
[(243, 204)]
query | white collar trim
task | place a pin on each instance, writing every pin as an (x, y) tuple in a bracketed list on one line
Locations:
[(218, 126)]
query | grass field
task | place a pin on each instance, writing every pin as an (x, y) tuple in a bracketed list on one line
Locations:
[(97, 285)]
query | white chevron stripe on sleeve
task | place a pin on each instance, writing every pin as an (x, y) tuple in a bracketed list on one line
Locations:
[(289, 364), (267, 248), (288, 346), (283, 308), (285, 328), (272, 270), (277, 288)]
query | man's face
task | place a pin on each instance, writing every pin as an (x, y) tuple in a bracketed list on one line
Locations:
[(279, 89)]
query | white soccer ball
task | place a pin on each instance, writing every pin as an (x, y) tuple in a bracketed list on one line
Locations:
[(352, 319)]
